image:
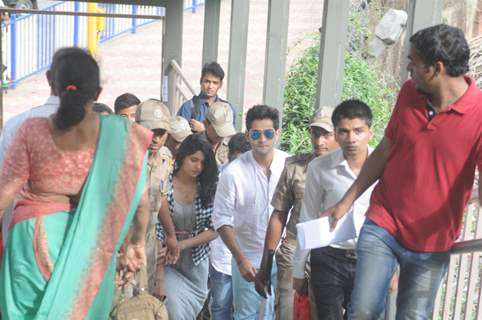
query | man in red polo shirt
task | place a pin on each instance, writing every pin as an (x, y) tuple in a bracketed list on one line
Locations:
[(425, 165)]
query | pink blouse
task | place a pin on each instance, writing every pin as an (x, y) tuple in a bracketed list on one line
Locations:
[(34, 161)]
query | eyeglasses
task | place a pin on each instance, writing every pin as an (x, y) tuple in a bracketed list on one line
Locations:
[(256, 134)]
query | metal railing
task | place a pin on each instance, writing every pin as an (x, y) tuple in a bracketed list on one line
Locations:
[(30, 40), (460, 294), (179, 89)]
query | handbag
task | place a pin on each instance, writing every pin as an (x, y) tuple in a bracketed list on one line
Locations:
[(142, 306), (301, 307)]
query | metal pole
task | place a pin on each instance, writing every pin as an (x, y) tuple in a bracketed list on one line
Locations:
[(238, 43), (212, 9), (13, 51), (276, 40), (92, 30), (1, 85), (421, 14), (172, 46), (76, 24), (333, 43), (134, 19)]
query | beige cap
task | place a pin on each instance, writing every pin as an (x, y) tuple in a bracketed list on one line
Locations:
[(220, 115), (153, 114), (180, 128), (322, 118)]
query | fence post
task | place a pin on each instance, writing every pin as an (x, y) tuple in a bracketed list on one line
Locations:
[(76, 24), (13, 51), (134, 20), (194, 6)]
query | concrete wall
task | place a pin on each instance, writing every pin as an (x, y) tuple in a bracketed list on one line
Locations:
[(465, 14)]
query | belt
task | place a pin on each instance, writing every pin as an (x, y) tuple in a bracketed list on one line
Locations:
[(347, 253)]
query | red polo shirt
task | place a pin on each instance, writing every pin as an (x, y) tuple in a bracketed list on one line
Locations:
[(428, 178)]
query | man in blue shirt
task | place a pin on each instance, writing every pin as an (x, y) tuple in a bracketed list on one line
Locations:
[(196, 109)]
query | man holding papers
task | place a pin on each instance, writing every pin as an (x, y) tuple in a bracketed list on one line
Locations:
[(327, 179)]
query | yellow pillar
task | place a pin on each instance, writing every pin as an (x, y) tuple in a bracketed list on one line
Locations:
[(92, 29)]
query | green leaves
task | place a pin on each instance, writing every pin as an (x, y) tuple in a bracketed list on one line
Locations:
[(362, 80)]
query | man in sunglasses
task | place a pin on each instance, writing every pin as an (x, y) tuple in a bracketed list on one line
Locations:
[(287, 202), (242, 209)]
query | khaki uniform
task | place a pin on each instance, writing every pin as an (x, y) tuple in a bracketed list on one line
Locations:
[(289, 196), (159, 168), (222, 151)]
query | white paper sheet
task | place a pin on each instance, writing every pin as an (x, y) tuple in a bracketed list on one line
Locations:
[(316, 233)]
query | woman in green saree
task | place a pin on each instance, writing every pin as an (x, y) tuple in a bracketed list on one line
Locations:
[(77, 180)]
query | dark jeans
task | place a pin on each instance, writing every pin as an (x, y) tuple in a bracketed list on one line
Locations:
[(332, 277)]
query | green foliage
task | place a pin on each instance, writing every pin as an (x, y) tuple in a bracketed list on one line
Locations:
[(362, 80), (299, 96)]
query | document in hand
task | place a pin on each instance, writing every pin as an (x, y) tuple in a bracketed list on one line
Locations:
[(316, 233)]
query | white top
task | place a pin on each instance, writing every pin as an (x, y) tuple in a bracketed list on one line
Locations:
[(10, 129), (327, 179), (13, 124), (220, 255), (243, 201)]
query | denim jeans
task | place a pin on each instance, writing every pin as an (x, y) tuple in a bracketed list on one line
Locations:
[(221, 295), (332, 276), (248, 304), (420, 276)]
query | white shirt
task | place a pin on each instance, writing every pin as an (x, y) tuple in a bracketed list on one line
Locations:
[(13, 124), (220, 255), (8, 133), (243, 201), (327, 179)]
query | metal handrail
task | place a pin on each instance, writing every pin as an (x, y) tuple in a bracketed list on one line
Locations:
[(467, 246), (175, 66), (81, 14), (472, 247), (176, 94)]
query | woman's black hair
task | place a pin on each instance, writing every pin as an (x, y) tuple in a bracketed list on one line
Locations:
[(208, 178), (77, 82)]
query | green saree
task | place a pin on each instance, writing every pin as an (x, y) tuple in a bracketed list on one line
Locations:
[(61, 265)]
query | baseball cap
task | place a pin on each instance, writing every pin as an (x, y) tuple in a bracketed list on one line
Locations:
[(220, 116), (180, 128), (153, 114), (322, 118)]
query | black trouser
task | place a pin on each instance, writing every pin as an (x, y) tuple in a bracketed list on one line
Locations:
[(332, 276)]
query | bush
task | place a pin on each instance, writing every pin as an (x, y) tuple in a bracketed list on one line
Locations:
[(362, 80)]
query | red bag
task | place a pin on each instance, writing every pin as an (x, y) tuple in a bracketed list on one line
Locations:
[(301, 307)]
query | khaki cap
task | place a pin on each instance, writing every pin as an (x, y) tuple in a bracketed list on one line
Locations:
[(220, 116), (153, 114), (180, 128), (322, 118)]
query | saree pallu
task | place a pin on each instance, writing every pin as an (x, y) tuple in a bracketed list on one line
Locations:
[(60, 264)]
